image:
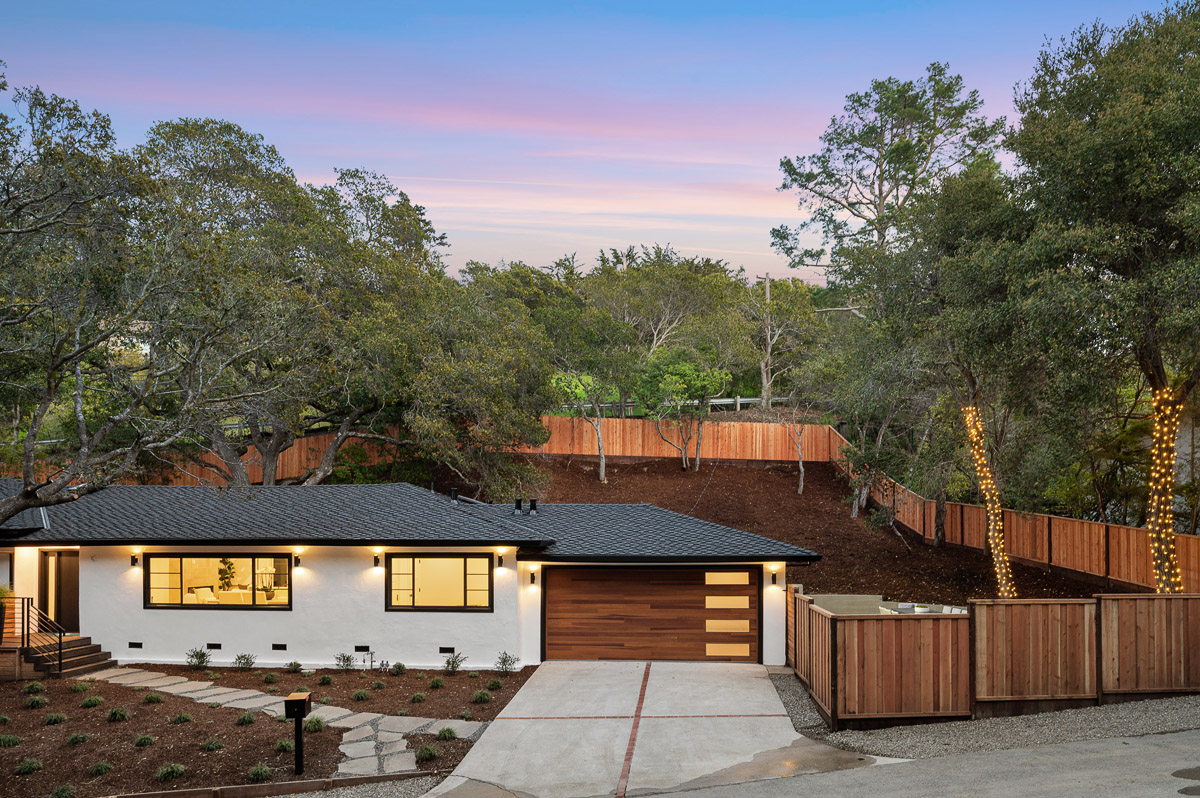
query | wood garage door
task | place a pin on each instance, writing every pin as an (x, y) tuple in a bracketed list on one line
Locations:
[(652, 613)]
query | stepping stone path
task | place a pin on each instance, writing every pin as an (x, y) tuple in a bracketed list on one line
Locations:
[(372, 744)]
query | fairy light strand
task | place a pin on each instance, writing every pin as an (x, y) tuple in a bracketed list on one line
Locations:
[(991, 498), (1168, 577)]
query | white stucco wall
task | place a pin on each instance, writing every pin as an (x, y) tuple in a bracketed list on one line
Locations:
[(5, 567), (337, 603), (774, 615), (25, 572)]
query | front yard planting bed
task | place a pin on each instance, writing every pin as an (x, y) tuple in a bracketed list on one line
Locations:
[(134, 767), (449, 752), (395, 696)]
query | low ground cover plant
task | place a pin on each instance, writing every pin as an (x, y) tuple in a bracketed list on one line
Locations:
[(92, 701), (100, 768), (28, 765), (171, 770), (260, 773), (426, 753)]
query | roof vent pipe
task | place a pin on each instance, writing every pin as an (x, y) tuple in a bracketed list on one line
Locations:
[(533, 506), (517, 507), (454, 495)]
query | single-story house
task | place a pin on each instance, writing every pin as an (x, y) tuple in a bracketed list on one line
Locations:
[(396, 572)]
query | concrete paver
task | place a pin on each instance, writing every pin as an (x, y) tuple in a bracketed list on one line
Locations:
[(367, 766), (402, 723), (328, 713), (135, 678), (397, 747), (236, 695), (184, 688), (356, 719), (400, 763), (252, 701), (161, 682), (110, 673), (359, 749), (387, 737), (361, 733), (211, 694)]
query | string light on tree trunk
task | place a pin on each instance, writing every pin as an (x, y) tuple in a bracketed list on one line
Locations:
[(1168, 577), (991, 499)]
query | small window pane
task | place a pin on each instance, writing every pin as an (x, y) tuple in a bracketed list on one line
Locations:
[(477, 582), (477, 598), (271, 580), (478, 565), (439, 581), (402, 598)]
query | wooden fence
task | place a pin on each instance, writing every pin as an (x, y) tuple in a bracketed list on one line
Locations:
[(1003, 657), (1113, 554)]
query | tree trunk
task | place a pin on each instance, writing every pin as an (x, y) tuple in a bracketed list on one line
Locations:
[(991, 497), (600, 449), (680, 447), (699, 440), (764, 371), (939, 519), (329, 458), (1168, 577), (799, 437)]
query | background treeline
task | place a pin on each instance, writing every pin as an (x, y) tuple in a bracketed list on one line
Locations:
[(190, 296)]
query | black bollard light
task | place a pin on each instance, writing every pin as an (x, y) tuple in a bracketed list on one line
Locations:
[(297, 706)]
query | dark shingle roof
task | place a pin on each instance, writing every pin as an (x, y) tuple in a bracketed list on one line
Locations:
[(396, 513), (313, 514), (25, 520), (630, 532)]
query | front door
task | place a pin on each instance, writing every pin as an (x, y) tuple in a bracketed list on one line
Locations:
[(58, 588)]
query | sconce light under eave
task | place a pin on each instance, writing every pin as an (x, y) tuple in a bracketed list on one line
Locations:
[(133, 561), (378, 563)]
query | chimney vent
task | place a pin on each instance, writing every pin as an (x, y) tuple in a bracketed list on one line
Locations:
[(454, 495), (533, 506), (517, 507)]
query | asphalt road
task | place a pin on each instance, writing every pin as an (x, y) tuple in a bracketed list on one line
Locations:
[(1153, 766)]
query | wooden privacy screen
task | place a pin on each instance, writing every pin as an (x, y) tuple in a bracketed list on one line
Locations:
[(1016, 655)]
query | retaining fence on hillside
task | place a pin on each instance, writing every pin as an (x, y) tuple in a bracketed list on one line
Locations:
[(1110, 553), (1004, 657)]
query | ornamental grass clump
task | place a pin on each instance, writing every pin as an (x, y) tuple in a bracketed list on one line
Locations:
[(143, 740), (117, 715), (9, 741), (447, 734), (378, 685), (360, 695), (171, 770), (36, 701), (494, 684), (481, 697), (152, 698), (260, 773), (182, 717), (268, 678), (314, 725), (426, 753), (63, 791), (436, 684), (28, 765), (245, 719), (211, 744), (284, 746), (325, 680), (33, 688), (81, 687), (55, 718), (78, 739), (100, 768), (417, 698), (92, 701)]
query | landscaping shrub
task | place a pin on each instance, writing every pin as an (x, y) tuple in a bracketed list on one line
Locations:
[(245, 719), (302, 689), (473, 675), (139, 689), (494, 684), (143, 740), (293, 667), (436, 684), (171, 770), (506, 663), (81, 687), (260, 773), (447, 734), (63, 791), (360, 695), (182, 717), (426, 752), (417, 698), (100, 768), (344, 662), (198, 659), (212, 744), (314, 725), (36, 701), (481, 697), (453, 663), (379, 685), (9, 740), (272, 689), (78, 739), (92, 701), (55, 718), (327, 699), (33, 688), (282, 718), (152, 698), (116, 715), (3, 720), (401, 712), (419, 675), (244, 662), (268, 678), (325, 680), (213, 705), (28, 765), (465, 714), (397, 669), (284, 746)]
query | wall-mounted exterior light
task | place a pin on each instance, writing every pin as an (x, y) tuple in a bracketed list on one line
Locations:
[(133, 561), (533, 577), (296, 560), (500, 561), (377, 561), (774, 578)]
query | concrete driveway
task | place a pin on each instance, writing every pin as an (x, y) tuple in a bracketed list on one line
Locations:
[(583, 729)]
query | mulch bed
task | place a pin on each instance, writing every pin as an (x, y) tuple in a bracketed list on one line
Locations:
[(448, 701), (449, 752), (134, 768), (763, 500)]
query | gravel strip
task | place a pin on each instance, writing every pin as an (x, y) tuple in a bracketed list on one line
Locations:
[(407, 788), (1130, 719)]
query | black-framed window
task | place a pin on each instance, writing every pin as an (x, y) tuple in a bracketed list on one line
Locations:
[(439, 582), (218, 581)]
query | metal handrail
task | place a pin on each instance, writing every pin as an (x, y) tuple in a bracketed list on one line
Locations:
[(39, 633)]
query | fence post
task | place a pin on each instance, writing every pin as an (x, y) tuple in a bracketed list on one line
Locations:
[(1099, 651), (737, 404), (1049, 542), (833, 674), (1107, 560), (971, 663)]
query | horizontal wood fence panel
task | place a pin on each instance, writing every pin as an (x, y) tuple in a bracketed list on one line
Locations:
[(1078, 545), (1150, 643), (1027, 537), (1129, 555), (1035, 649), (902, 665)]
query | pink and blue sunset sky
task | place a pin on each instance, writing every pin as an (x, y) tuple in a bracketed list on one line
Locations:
[(535, 130)]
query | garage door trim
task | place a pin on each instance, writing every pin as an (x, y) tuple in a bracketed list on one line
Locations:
[(752, 567)]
